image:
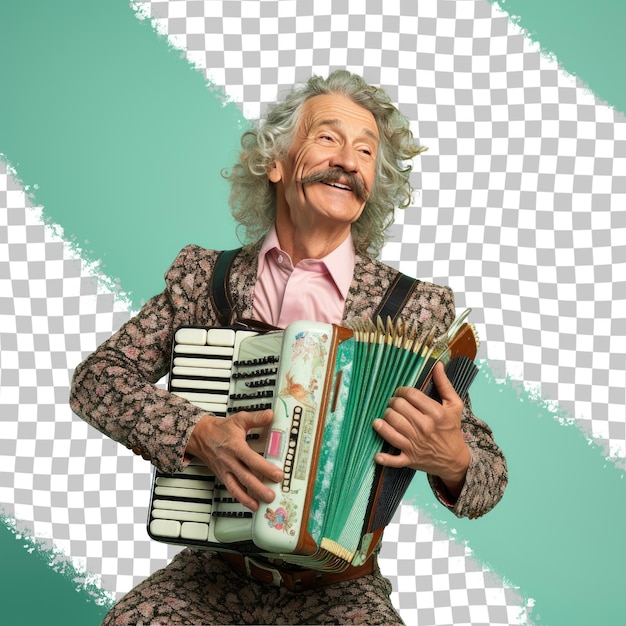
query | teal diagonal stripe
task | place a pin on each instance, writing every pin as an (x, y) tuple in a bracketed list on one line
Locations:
[(41, 586), (558, 532), (586, 38), (123, 139)]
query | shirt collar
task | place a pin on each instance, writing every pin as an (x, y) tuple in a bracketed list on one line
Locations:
[(339, 263)]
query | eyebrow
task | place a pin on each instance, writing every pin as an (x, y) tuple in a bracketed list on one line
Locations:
[(336, 122)]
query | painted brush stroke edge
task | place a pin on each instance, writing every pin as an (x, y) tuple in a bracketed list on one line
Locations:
[(91, 266), (86, 584), (518, 18)]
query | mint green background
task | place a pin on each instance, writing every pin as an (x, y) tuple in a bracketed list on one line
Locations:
[(585, 36), (125, 143), (32, 591), (124, 140)]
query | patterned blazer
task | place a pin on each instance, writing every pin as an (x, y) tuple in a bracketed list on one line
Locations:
[(114, 390)]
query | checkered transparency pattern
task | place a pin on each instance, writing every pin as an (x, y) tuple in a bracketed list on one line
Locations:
[(518, 212), (67, 483), (59, 477), (520, 188)]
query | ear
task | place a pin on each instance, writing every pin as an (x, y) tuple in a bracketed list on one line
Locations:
[(275, 172)]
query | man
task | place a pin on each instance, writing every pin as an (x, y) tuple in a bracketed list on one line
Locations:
[(315, 188)]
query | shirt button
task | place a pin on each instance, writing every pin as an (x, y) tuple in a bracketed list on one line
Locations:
[(280, 258)]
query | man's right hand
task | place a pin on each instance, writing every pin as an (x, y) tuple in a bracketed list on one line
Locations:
[(221, 444)]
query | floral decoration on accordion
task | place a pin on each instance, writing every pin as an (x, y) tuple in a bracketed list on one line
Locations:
[(309, 349), (282, 518)]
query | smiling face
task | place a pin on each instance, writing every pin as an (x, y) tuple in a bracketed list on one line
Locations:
[(323, 183)]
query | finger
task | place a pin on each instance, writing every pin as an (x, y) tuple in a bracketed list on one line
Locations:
[(392, 460), (393, 437), (253, 419), (236, 490), (261, 466), (414, 398), (255, 488), (390, 434), (443, 384), (244, 484), (250, 458)]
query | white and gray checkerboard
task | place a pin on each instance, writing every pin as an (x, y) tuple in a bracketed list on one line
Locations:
[(522, 186)]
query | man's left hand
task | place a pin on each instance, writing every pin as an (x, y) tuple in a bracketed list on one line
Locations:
[(427, 433)]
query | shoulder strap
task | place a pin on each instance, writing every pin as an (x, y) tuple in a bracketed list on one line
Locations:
[(219, 286), (390, 305), (396, 297)]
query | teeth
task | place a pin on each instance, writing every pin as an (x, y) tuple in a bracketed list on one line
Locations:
[(339, 186)]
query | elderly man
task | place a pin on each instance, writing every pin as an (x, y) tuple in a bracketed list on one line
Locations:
[(314, 190)]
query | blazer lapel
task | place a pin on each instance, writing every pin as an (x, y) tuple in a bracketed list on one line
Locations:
[(242, 280), (370, 282)]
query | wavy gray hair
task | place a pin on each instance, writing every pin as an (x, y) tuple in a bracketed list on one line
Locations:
[(253, 198)]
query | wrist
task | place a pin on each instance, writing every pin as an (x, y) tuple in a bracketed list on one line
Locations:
[(199, 434), (454, 480)]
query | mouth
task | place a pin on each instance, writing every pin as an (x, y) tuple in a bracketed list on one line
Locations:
[(339, 179), (337, 185)]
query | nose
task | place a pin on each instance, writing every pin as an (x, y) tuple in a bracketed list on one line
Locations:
[(345, 158)]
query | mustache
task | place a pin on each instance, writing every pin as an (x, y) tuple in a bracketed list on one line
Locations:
[(334, 175)]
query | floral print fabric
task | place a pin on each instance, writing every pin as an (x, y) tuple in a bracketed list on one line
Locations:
[(114, 390)]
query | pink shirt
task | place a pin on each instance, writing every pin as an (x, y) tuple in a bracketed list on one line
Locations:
[(316, 289)]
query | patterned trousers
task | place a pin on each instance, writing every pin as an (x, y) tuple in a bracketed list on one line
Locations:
[(198, 587)]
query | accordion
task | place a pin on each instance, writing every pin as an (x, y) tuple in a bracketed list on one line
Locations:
[(325, 384)]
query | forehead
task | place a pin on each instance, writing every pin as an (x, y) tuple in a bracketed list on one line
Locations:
[(338, 110)]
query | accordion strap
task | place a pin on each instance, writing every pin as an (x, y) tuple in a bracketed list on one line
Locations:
[(390, 305), (396, 297), (295, 578), (220, 292)]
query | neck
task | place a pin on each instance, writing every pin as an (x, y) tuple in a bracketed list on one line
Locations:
[(309, 243)]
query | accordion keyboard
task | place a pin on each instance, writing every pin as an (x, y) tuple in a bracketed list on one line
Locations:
[(218, 371)]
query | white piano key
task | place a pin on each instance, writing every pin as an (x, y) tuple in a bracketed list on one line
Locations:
[(182, 349), (220, 385), (181, 383), (222, 368), (165, 528), (218, 409), (184, 483), (190, 361), (221, 337), (186, 383), (198, 400), (194, 531), (178, 505), (181, 516), (196, 336), (197, 468), (176, 492)]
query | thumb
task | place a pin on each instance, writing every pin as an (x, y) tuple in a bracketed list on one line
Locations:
[(259, 418), (443, 384)]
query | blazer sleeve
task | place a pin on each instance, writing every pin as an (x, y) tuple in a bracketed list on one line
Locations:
[(487, 475), (115, 388)]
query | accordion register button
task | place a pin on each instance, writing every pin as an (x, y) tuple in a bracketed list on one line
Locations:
[(193, 336)]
